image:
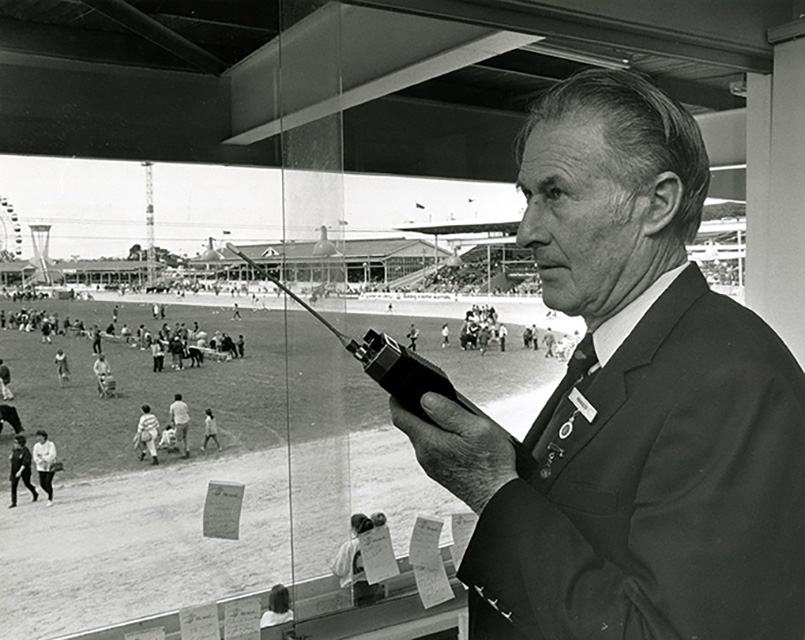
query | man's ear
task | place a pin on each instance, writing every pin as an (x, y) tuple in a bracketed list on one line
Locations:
[(664, 199)]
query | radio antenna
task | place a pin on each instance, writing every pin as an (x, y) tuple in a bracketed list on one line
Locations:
[(350, 344)]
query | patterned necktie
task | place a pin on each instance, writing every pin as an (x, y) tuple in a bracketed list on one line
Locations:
[(578, 375)]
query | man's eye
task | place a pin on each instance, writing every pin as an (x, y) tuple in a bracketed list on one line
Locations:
[(553, 193), (527, 194)]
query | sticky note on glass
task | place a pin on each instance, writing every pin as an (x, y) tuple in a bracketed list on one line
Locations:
[(242, 619), (155, 633), (463, 525), (222, 509), (424, 548), (199, 623), (377, 554), (432, 585)]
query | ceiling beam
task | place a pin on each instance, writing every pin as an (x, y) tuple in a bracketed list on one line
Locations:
[(713, 94), (258, 14), (146, 27), (724, 135), (330, 64), (736, 40), (52, 45)]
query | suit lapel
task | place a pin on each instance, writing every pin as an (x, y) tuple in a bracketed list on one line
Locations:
[(608, 392), (544, 417)]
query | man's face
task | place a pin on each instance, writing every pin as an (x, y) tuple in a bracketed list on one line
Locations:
[(578, 221)]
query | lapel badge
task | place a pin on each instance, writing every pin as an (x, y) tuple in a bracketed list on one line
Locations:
[(567, 428)]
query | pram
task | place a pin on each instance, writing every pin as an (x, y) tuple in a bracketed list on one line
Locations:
[(107, 386)]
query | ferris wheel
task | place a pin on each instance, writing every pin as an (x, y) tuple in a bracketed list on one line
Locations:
[(10, 232)]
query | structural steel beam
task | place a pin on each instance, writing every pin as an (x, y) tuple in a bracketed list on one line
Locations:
[(694, 30), (372, 54), (141, 24), (724, 136)]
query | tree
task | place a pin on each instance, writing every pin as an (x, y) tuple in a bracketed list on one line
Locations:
[(136, 252), (163, 256), (166, 257)]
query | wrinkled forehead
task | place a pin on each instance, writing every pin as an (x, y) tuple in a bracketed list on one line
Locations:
[(570, 145)]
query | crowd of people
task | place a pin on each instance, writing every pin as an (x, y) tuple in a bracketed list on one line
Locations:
[(479, 329), (180, 341)]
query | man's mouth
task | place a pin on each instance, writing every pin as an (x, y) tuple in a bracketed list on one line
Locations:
[(544, 264)]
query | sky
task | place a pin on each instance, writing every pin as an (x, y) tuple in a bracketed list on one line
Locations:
[(96, 208)]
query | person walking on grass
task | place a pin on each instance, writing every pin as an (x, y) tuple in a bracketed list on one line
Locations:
[(180, 418), (44, 458), (147, 432), (21, 469), (62, 368), (210, 430)]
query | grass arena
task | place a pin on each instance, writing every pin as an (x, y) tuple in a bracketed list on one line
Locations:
[(123, 539)]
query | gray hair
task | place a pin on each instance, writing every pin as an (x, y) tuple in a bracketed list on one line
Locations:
[(647, 131)]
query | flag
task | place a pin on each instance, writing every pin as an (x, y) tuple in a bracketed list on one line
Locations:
[(470, 200), (420, 206), (226, 233)]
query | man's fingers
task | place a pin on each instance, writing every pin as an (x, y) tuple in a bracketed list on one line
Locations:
[(404, 420)]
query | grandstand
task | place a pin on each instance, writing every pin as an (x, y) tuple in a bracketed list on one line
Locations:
[(494, 264)]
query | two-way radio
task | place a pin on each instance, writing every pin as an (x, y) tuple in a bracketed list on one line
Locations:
[(403, 373)]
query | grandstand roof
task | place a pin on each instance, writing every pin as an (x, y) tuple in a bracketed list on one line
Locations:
[(509, 227), (377, 248)]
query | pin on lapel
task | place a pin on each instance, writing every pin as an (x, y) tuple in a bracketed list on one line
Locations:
[(567, 428), (583, 405)]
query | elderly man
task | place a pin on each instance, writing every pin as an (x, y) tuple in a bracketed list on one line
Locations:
[(667, 499)]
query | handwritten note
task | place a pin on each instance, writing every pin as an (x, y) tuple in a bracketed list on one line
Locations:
[(222, 510), (433, 585), (424, 548), (155, 633), (377, 553), (242, 620), (200, 623), (463, 525)]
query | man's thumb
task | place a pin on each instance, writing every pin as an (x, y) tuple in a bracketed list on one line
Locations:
[(444, 412)]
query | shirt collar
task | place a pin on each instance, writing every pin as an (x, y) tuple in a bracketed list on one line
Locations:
[(612, 333)]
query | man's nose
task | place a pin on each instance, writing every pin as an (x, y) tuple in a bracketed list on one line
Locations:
[(531, 231)]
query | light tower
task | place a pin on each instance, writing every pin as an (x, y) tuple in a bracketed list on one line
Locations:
[(149, 222)]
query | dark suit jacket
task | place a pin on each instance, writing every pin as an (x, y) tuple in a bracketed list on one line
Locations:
[(678, 513)]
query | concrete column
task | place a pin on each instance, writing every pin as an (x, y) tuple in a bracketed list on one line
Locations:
[(776, 195)]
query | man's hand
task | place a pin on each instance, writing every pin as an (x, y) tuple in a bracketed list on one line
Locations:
[(468, 455)]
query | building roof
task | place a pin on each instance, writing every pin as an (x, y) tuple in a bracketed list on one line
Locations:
[(16, 267), (104, 266), (302, 251), (509, 227)]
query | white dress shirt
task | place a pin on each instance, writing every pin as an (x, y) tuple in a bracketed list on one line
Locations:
[(612, 333)]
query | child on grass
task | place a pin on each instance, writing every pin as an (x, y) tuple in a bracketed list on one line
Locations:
[(168, 440), (62, 368), (210, 430)]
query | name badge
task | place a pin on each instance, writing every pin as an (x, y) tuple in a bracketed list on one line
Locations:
[(583, 405)]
